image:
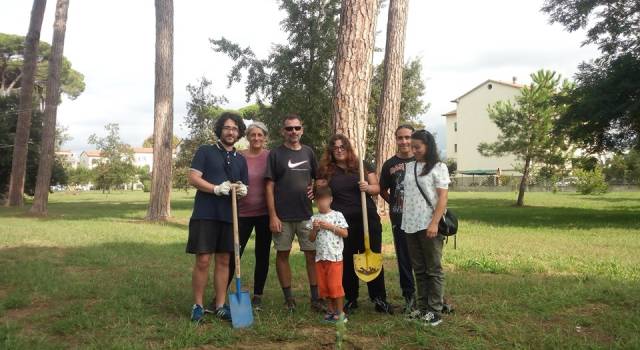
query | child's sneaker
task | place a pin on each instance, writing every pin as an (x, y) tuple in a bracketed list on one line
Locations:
[(431, 319), (329, 317), (197, 313), (290, 304)]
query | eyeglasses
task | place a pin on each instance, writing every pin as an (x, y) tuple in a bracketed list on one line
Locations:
[(338, 148), (291, 128), (230, 128)]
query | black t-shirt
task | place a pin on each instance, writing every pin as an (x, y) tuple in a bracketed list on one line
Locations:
[(391, 178), (346, 193), (292, 171), (211, 161)]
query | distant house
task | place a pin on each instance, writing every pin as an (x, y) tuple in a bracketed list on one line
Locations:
[(469, 125), (68, 158), (141, 156), (89, 159)]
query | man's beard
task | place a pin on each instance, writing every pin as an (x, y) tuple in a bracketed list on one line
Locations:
[(224, 142)]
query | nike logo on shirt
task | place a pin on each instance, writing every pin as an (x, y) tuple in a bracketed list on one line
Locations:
[(295, 165)]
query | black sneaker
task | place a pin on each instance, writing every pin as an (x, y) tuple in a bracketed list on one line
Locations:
[(382, 306), (431, 319), (290, 304), (318, 305), (223, 313), (350, 307), (447, 309), (409, 304), (256, 302)]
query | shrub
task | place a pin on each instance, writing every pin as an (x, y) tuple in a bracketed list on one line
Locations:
[(146, 185), (591, 182)]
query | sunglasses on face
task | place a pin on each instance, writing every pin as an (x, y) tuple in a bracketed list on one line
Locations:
[(338, 148), (291, 128)]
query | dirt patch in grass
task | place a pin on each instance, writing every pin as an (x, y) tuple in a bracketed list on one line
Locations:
[(584, 325)]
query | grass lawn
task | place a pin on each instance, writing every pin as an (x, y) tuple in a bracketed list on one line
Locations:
[(564, 272)]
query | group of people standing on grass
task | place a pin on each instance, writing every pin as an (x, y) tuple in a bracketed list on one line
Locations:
[(276, 188)]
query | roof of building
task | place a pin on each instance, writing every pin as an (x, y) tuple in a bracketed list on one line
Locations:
[(143, 150), (451, 113), (91, 153), (518, 86)]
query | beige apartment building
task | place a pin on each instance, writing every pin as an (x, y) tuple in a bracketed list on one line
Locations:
[(469, 125)]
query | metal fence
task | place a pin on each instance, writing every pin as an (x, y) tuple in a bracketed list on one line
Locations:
[(508, 183)]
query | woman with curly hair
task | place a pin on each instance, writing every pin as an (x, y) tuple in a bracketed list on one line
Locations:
[(339, 170)]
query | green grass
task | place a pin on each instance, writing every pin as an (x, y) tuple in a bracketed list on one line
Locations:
[(563, 272)]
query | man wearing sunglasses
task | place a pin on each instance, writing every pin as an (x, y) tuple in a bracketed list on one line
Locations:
[(291, 170)]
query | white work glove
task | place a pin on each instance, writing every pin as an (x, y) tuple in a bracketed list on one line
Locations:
[(222, 189), (241, 189)]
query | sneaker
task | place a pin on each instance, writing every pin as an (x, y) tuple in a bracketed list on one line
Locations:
[(447, 308), (290, 304), (223, 313), (211, 308), (414, 315), (197, 313), (256, 302), (431, 319), (342, 318), (409, 304), (382, 306), (329, 317), (350, 307), (318, 305)]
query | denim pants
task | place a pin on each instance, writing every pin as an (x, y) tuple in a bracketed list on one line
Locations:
[(405, 270)]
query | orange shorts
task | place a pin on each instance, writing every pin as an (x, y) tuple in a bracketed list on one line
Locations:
[(329, 279)]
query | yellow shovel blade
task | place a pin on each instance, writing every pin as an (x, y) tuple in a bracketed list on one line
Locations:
[(367, 265)]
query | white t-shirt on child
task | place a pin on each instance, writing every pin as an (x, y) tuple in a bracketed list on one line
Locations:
[(329, 246)]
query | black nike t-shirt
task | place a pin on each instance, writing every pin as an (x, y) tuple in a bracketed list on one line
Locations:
[(292, 171), (391, 178)]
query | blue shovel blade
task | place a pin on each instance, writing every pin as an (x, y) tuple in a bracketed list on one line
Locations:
[(241, 311)]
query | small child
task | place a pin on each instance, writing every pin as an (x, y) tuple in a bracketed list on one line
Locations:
[(327, 230)]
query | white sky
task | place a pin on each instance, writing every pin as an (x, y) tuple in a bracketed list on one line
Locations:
[(461, 43)]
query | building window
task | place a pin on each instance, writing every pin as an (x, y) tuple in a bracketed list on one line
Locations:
[(455, 126), (455, 148)]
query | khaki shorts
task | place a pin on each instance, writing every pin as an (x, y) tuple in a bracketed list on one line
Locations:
[(282, 241)]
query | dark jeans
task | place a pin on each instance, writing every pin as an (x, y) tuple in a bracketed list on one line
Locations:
[(246, 225), (405, 270), (354, 244), (426, 258)]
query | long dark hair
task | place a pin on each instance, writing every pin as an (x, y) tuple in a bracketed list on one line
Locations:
[(431, 158), (328, 162)]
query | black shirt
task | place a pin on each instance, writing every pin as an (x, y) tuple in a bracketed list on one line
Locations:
[(292, 171), (391, 178), (346, 193), (210, 160)]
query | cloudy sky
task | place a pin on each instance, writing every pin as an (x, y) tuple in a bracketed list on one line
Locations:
[(460, 42)]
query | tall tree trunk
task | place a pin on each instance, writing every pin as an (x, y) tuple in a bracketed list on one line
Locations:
[(20, 144), (388, 112), (353, 69), (160, 200), (523, 182), (51, 108)]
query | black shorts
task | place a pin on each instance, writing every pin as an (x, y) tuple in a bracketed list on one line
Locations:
[(209, 236)]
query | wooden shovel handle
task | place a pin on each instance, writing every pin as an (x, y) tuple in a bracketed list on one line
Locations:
[(363, 200), (236, 234)]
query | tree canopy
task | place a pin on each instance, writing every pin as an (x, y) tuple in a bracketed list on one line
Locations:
[(11, 51), (526, 125), (603, 108)]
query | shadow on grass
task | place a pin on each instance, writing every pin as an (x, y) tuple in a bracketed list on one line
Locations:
[(502, 212), (138, 295)]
